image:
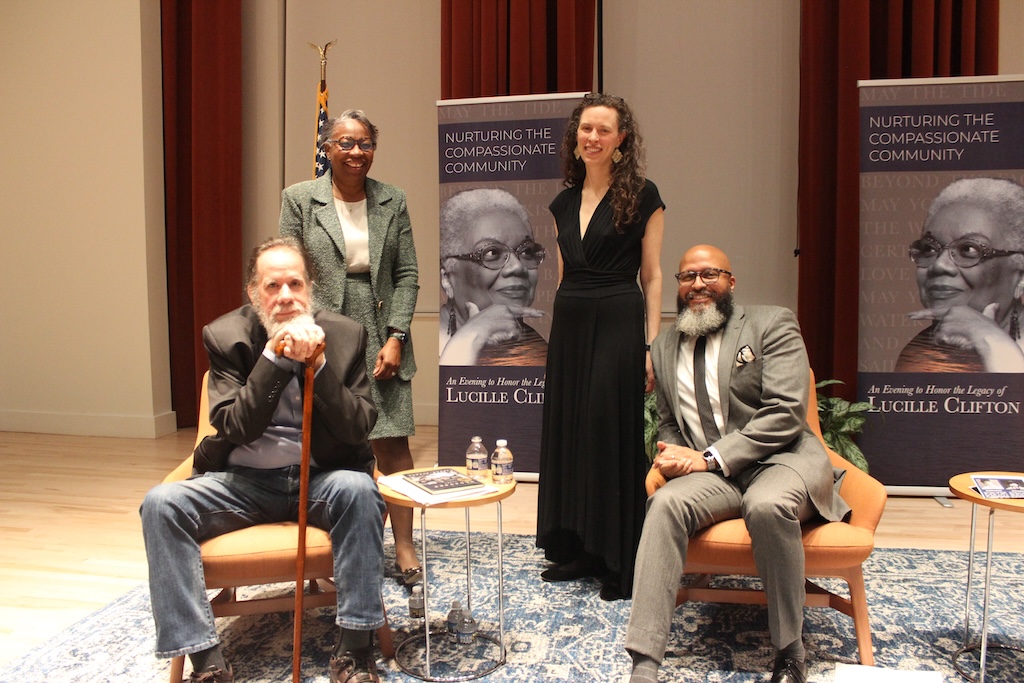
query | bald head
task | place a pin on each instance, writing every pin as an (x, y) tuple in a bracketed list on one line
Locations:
[(704, 256), (704, 300)]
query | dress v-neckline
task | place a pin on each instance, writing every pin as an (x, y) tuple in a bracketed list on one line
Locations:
[(581, 231)]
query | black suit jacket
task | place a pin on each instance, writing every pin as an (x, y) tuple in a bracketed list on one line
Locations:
[(245, 387)]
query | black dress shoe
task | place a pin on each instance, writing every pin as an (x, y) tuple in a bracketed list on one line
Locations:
[(577, 569), (611, 592), (789, 670)]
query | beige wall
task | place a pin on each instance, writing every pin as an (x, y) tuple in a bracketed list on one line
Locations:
[(81, 185), (82, 257)]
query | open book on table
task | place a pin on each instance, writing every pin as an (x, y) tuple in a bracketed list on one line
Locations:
[(436, 485)]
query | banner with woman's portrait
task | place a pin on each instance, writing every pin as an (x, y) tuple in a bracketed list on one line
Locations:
[(499, 168), (941, 310)]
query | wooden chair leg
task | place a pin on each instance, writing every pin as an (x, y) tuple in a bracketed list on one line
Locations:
[(177, 669), (861, 621), (385, 640)]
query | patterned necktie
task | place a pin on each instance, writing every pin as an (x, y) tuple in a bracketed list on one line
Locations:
[(700, 387)]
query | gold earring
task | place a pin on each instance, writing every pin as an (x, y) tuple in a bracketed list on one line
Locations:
[(576, 152), (616, 156)]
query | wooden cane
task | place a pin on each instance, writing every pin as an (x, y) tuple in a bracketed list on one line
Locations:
[(300, 557)]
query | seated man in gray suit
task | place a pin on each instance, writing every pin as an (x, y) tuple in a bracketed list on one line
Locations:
[(248, 472), (733, 442)]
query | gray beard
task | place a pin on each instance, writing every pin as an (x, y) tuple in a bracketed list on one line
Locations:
[(273, 326), (705, 321)]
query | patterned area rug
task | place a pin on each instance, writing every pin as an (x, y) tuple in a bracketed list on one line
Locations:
[(565, 632)]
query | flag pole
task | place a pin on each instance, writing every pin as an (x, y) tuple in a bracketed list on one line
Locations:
[(319, 159)]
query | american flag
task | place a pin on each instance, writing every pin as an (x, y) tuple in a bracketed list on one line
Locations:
[(320, 161)]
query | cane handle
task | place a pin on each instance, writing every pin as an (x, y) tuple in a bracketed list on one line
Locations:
[(279, 351)]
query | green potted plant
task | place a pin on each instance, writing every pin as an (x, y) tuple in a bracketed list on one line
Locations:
[(840, 422), (651, 425)]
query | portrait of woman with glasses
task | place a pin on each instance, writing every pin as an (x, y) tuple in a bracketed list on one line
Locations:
[(489, 271), (970, 277), (607, 310), (358, 232)]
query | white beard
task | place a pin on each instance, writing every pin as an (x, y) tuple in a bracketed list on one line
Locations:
[(273, 326), (700, 323)]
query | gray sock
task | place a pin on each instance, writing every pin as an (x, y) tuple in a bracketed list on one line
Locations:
[(205, 660), (645, 669), (350, 640)]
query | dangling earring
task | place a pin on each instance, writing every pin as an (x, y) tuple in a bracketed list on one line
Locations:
[(616, 156), (1015, 323), (451, 319), (576, 152)]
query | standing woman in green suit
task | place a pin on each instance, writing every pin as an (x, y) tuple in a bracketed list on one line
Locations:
[(358, 232)]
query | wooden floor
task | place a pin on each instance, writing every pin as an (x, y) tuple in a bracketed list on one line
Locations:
[(70, 536)]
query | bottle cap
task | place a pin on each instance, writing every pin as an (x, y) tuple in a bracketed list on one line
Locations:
[(501, 443), (417, 589), (476, 438)]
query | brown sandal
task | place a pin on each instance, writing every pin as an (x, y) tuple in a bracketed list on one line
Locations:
[(409, 577)]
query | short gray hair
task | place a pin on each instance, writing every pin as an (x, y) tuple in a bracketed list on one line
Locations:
[(347, 115), (464, 208), (1004, 198), (287, 242)]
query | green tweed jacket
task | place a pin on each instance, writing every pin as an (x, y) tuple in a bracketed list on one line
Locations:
[(308, 213)]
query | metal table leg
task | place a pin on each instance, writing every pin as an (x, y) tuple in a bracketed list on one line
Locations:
[(983, 646), (427, 674)]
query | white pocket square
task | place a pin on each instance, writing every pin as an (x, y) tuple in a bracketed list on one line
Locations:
[(744, 356)]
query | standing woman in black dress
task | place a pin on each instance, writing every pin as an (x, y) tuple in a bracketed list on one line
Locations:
[(610, 222)]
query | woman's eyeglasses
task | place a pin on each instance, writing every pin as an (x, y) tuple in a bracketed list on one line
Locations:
[(348, 144), (495, 256), (964, 252), (708, 276)]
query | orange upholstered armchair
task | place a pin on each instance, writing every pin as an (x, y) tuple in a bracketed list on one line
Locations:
[(261, 554), (832, 549)]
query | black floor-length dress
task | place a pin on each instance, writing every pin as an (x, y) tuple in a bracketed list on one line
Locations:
[(592, 463)]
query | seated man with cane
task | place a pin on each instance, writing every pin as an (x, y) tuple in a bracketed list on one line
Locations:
[(733, 442), (248, 473)]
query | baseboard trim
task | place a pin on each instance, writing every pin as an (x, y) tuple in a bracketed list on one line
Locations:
[(79, 424)]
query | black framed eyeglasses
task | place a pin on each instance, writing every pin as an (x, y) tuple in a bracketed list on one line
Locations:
[(964, 252), (494, 256), (708, 276), (348, 143)]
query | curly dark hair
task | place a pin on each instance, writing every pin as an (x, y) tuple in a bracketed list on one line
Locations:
[(627, 174)]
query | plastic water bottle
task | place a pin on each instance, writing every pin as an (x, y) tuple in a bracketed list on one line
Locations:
[(452, 625), (416, 612), (467, 628), (476, 459), (501, 464)]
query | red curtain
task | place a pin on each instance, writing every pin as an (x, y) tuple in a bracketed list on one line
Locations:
[(202, 71), (516, 47), (841, 42)]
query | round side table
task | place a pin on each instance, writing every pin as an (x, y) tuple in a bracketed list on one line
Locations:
[(500, 493), (964, 486)]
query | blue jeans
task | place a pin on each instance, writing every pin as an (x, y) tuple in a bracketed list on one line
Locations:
[(178, 516)]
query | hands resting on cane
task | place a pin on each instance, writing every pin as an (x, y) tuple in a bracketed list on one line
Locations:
[(299, 339)]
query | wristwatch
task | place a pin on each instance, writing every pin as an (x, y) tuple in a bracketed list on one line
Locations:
[(399, 335), (711, 461)]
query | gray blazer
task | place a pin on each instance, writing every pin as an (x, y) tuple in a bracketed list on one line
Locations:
[(764, 401), (308, 213)]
